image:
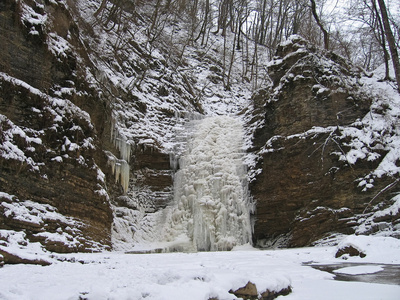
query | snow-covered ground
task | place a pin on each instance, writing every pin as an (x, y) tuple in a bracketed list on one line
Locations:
[(205, 275)]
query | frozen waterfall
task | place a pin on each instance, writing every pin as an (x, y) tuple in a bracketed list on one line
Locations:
[(211, 209)]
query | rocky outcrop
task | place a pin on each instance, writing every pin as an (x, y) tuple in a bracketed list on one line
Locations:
[(152, 178), (313, 175)]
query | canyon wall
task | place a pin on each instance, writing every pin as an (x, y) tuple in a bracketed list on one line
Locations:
[(52, 185), (319, 150)]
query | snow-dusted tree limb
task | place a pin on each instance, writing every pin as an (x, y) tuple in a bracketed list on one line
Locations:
[(386, 188), (101, 7)]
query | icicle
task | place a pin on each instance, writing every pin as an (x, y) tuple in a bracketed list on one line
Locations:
[(173, 162), (112, 133), (125, 175), (111, 162), (120, 167), (124, 148), (117, 173), (122, 145)]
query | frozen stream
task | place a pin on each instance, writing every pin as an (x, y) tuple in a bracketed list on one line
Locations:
[(375, 273)]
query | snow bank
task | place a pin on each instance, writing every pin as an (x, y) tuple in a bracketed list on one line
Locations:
[(376, 249)]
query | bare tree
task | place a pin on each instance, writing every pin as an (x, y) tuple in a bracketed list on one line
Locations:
[(367, 12), (101, 8), (206, 23), (391, 41), (380, 36)]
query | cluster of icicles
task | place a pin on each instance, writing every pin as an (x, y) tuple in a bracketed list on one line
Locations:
[(211, 203), (120, 166)]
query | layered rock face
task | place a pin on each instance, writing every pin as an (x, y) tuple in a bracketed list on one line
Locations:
[(49, 158), (317, 173), (52, 187)]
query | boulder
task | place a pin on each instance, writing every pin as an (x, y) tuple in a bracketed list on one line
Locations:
[(11, 258), (249, 291), (351, 251)]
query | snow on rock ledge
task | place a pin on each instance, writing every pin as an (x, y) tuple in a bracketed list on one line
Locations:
[(48, 148), (36, 228)]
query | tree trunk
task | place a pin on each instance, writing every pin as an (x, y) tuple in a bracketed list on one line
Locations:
[(391, 42), (324, 31), (237, 31), (154, 17), (382, 40), (203, 29)]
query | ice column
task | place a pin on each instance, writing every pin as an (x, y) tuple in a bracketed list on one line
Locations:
[(211, 203)]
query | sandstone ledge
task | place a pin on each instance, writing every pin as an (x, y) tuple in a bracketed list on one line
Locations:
[(10, 258)]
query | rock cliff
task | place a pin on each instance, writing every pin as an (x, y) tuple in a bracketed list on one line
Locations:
[(318, 150), (52, 185)]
